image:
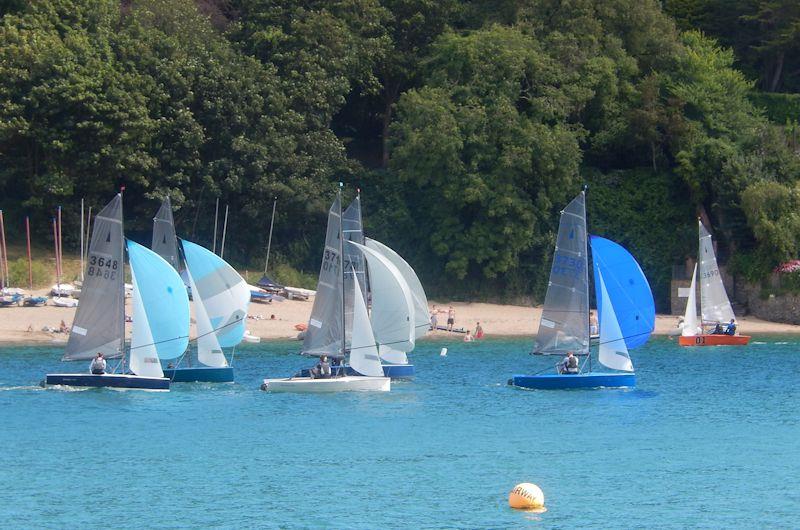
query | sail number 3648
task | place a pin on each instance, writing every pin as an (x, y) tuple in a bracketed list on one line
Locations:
[(105, 268)]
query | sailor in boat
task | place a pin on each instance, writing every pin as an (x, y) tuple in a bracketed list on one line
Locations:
[(569, 365), (717, 329), (322, 370), (98, 366), (731, 328)]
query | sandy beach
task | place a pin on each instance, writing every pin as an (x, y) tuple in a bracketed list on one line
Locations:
[(496, 320)]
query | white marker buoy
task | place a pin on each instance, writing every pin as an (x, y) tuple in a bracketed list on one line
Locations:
[(527, 496), (443, 353)]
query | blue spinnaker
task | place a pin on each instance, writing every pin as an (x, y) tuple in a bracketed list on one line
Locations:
[(165, 301), (627, 288)]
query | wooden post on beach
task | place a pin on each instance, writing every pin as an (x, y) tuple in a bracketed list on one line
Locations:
[(4, 252), (55, 243), (30, 262)]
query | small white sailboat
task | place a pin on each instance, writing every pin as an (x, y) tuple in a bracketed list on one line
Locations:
[(715, 307), (327, 327), (160, 311)]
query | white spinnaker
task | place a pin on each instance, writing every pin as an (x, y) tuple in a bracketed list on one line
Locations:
[(364, 357), (422, 321), (209, 352), (714, 304), (613, 351), (143, 358), (392, 307), (690, 316)]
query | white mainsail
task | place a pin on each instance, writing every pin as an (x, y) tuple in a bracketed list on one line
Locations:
[(613, 351), (392, 307), (421, 317), (690, 317), (364, 357), (715, 307)]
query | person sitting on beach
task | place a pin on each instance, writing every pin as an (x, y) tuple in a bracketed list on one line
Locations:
[(62, 328), (478, 331), (468, 337), (451, 318), (717, 329), (731, 328), (98, 366), (569, 365), (322, 370)]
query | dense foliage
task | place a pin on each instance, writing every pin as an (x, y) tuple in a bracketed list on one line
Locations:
[(468, 125)]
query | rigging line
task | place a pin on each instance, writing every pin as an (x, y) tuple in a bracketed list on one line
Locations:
[(186, 336)]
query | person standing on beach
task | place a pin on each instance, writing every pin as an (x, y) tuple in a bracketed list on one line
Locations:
[(98, 366), (434, 318), (451, 318)]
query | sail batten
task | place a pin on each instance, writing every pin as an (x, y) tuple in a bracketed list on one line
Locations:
[(564, 325), (99, 322)]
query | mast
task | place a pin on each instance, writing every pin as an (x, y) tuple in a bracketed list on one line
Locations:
[(269, 241), (216, 216), (81, 240), (86, 239), (341, 269), (60, 247), (55, 243), (30, 263), (224, 232), (122, 269), (3, 255)]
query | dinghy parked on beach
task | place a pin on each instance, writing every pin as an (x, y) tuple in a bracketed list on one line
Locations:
[(625, 308), (715, 307), (160, 311)]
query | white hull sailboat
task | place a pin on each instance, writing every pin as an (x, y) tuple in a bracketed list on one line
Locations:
[(327, 333)]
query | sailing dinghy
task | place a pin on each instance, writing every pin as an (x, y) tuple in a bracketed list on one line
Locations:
[(400, 278), (625, 308), (327, 332), (715, 307), (160, 311), (220, 297)]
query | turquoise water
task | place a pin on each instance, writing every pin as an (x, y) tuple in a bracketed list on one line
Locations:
[(709, 438)]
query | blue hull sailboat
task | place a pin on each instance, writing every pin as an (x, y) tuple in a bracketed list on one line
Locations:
[(625, 309), (160, 311), (220, 297)]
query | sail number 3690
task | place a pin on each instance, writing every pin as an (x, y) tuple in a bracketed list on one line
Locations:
[(105, 268)]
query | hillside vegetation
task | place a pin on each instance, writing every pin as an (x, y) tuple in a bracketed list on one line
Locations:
[(466, 124)]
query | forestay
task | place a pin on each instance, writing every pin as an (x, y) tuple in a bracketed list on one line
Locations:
[(613, 350), (564, 325), (224, 294), (714, 304), (99, 324), (160, 312), (364, 357), (628, 288), (324, 333), (421, 317), (165, 243), (392, 307)]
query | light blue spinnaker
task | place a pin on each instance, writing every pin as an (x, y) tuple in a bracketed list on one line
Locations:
[(627, 288), (164, 299), (223, 292)]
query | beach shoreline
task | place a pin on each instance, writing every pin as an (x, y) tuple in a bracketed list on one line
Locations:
[(496, 320)]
